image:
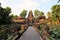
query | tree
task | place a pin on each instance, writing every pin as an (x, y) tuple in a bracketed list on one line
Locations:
[(4, 15), (23, 13), (58, 1), (41, 13), (14, 16), (49, 14), (56, 12), (37, 13)]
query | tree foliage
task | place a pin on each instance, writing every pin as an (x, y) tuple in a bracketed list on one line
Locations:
[(23, 13), (56, 12), (41, 13), (58, 1), (37, 13), (49, 14), (4, 15)]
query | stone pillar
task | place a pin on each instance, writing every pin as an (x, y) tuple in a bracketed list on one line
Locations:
[(22, 27)]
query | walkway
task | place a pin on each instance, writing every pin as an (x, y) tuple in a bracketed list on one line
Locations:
[(30, 34)]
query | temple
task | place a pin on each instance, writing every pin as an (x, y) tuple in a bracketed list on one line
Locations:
[(30, 18)]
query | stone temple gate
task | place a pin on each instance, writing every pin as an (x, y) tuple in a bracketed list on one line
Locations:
[(29, 20)]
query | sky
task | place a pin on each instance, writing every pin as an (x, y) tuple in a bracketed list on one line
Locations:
[(18, 5)]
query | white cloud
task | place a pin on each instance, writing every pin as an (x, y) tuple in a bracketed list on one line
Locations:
[(28, 5), (18, 5), (46, 1), (2, 1)]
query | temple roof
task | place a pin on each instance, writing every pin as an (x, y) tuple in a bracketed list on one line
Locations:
[(30, 15)]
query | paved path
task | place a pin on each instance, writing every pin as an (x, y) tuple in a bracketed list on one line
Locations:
[(30, 34)]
